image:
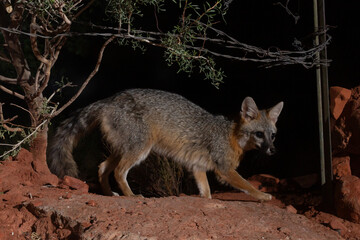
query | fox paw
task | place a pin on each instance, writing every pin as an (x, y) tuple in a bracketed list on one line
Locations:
[(115, 194), (265, 197)]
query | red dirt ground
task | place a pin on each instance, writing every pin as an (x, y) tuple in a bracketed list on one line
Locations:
[(39, 206)]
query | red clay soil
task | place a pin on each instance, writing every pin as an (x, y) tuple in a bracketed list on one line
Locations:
[(38, 206)]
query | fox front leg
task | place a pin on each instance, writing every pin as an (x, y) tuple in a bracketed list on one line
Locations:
[(202, 183), (238, 182)]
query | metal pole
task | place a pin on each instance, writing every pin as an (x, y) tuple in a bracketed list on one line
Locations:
[(323, 104)]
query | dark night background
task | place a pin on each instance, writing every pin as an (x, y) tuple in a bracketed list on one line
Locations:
[(259, 23)]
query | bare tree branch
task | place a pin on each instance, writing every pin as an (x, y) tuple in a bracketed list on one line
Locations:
[(296, 18), (11, 92), (59, 89), (46, 76), (83, 9), (92, 74), (24, 109), (63, 15), (8, 80), (39, 76), (33, 40), (5, 121), (17, 145), (5, 59)]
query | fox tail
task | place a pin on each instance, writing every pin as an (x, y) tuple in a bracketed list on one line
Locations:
[(59, 154)]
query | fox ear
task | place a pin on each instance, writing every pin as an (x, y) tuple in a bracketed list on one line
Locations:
[(249, 110), (275, 111)]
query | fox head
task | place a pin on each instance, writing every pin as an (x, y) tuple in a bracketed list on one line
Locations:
[(257, 128)]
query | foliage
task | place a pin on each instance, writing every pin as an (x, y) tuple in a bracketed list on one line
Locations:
[(124, 11), (51, 12), (185, 43), (17, 139)]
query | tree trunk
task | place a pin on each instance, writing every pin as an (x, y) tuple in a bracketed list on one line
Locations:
[(38, 150)]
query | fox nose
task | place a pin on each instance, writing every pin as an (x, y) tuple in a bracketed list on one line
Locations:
[(271, 151)]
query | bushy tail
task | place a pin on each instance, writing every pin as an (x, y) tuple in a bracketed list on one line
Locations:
[(59, 154)]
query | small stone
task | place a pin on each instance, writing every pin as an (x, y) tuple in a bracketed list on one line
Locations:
[(63, 233), (265, 182), (336, 224), (37, 203), (347, 198), (307, 181), (338, 98), (291, 209), (86, 225), (91, 203), (67, 196), (341, 166), (76, 184)]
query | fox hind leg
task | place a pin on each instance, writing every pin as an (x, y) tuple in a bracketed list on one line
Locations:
[(105, 168), (127, 161), (202, 183)]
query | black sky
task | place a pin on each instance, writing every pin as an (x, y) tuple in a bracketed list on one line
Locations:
[(255, 22)]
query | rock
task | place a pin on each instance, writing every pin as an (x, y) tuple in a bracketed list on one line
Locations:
[(76, 184), (44, 227), (345, 130), (341, 166), (63, 213), (353, 125), (45, 177), (14, 222), (291, 209), (306, 181), (179, 218), (340, 137), (355, 165), (337, 225), (347, 198), (63, 233), (37, 203), (92, 203), (265, 182), (338, 98), (14, 195), (67, 195), (24, 175)]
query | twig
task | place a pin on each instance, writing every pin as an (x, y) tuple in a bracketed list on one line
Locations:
[(4, 122), (5, 59), (59, 89), (63, 15), (11, 92), (15, 105), (204, 13), (183, 14), (92, 74), (17, 145), (156, 20), (83, 9), (33, 41), (8, 80), (296, 18)]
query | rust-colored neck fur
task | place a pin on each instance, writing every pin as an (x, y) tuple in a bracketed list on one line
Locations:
[(234, 140)]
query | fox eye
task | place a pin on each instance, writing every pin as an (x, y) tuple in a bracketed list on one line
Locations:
[(273, 135), (259, 134)]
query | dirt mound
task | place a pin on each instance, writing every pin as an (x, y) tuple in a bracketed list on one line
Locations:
[(35, 206)]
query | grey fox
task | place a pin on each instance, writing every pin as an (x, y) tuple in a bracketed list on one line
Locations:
[(137, 121)]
